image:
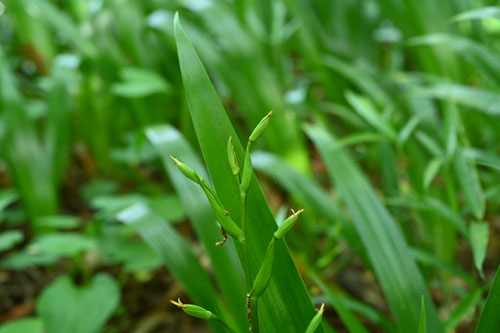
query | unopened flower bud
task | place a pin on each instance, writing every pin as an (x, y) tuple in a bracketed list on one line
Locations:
[(231, 157), (287, 224), (187, 171), (261, 127), (193, 310), (313, 325)]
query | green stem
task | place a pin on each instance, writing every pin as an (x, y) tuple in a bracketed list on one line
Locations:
[(254, 300)]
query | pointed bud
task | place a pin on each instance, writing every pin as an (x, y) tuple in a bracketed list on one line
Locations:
[(246, 175), (187, 171), (223, 216), (316, 321), (193, 310), (264, 275), (287, 224), (261, 127), (231, 157)]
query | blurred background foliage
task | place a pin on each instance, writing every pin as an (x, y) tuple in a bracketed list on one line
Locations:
[(411, 89)]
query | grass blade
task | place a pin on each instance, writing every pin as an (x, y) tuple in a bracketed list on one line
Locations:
[(227, 269), (422, 325), (286, 306), (176, 253), (488, 322), (392, 260), (462, 309), (351, 322)]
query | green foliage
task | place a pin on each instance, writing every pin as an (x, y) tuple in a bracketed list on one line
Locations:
[(62, 303), (385, 132)]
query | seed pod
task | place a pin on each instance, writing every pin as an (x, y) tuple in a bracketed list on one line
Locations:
[(264, 275), (261, 127), (246, 176), (222, 215), (193, 310), (313, 325), (231, 157), (287, 224), (187, 171)]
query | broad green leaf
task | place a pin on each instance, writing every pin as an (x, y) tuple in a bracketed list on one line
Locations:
[(227, 269), (7, 196), (350, 321), (24, 259), (422, 324), (462, 309), (134, 255), (57, 222), (62, 244), (10, 238), (65, 307), (176, 253), (286, 305), (24, 325), (391, 258), (468, 179), (139, 82), (479, 233), (488, 322)]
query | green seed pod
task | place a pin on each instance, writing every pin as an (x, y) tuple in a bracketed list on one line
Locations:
[(187, 171), (193, 310), (231, 157), (261, 127), (287, 224), (313, 325), (222, 215), (246, 176), (264, 275)]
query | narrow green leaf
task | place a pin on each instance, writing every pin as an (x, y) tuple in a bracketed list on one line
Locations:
[(176, 253), (348, 318), (468, 180), (422, 324), (479, 233), (10, 238), (425, 258), (432, 170), (478, 14), (304, 189), (392, 261), (367, 110), (228, 272), (286, 306), (488, 322), (139, 82), (462, 309)]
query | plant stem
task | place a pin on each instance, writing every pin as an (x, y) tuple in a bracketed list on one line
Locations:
[(254, 300)]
